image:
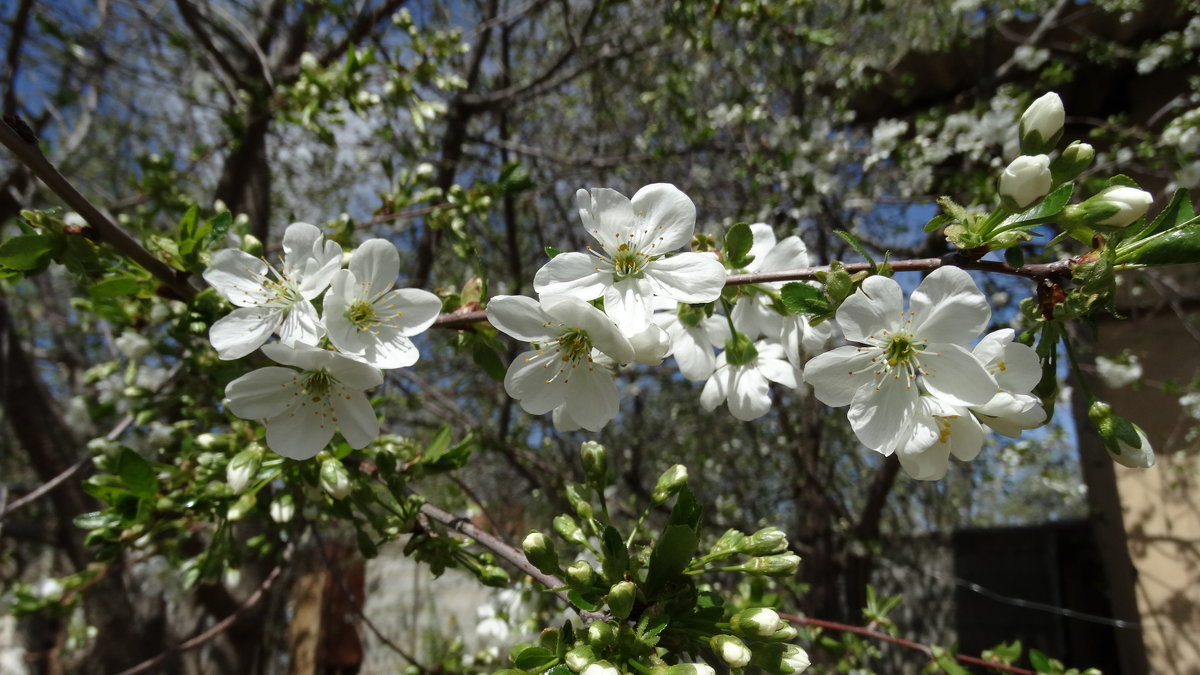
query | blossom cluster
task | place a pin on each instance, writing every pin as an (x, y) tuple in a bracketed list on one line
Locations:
[(364, 322)]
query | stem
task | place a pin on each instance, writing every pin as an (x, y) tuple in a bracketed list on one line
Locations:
[(1079, 375)]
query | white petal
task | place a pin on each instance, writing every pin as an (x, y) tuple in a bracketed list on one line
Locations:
[(521, 317), (354, 416), (390, 350), (1019, 369), (302, 431), (299, 240), (238, 276), (693, 353), (667, 217), (301, 325), (749, 395), (601, 330), (753, 316), (761, 242), (788, 254), (353, 373), (262, 393), (966, 436), (243, 330), (592, 399), (533, 378), (1013, 425), (779, 370), (879, 414), (562, 422), (687, 277), (651, 346), (953, 374), (304, 357), (925, 463), (626, 302), (608, 216), (836, 375), (410, 310), (573, 273), (878, 305), (376, 263), (716, 389), (341, 295), (948, 307)]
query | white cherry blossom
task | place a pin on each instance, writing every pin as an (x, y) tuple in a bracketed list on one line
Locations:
[(899, 352), (569, 370), (278, 302), (753, 314), (632, 267), (693, 339), (370, 321), (321, 391), (745, 387)]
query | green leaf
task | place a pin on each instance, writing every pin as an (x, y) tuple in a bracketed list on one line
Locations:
[(857, 245), (738, 241), (439, 443), (1176, 246), (1044, 211), (560, 669), (670, 557), (514, 177), (551, 252), (96, 520), (114, 288), (801, 298), (946, 661), (937, 221), (187, 229), (584, 603), (1015, 257), (136, 473), (25, 252), (488, 359), (534, 658), (687, 510), (616, 556), (1039, 661)]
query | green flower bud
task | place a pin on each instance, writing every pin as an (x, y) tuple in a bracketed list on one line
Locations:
[(1124, 440), (335, 479), (785, 634), (578, 658), (620, 599), (493, 576), (595, 464), (1072, 162), (582, 507), (580, 575), (730, 542), (569, 530), (540, 553), (241, 470), (765, 542), (1112, 208), (669, 483), (779, 565), (795, 660), (731, 649), (757, 622), (601, 635), (283, 509), (1041, 124)]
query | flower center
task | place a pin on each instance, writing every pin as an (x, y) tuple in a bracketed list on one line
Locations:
[(362, 314), (900, 349), (628, 263), (317, 384), (574, 344)]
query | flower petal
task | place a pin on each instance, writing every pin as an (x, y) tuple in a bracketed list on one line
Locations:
[(409, 310), (521, 317), (667, 218), (376, 263), (627, 304), (607, 215), (788, 254), (390, 350), (836, 375), (716, 389), (878, 305), (301, 325), (780, 371), (353, 373), (302, 431), (239, 276), (948, 307), (966, 436), (762, 240), (243, 330), (591, 398), (534, 379), (262, 393), (687, 277), (354, 416), (574, 274), (880, 415), (749, 395), (953, 374)]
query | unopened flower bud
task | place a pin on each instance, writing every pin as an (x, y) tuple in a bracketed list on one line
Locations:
[(580, 575), (731, 649), (691, 669), (601, 634), (335, 479), (569, 530), (252, 245), (493, 576), (766, 541), (620, 599), (578, 658), (595, 464), (1042, 124), (1026, 180), (600, 668), (785, 634), (669, 483), (757, 622), (795, 660), (1114, 207), (1072, 162), (241, 507), (730, 542), (582, 507), (242, 469), (780, 565), (1124, 440), (283, 509), (540, 553)]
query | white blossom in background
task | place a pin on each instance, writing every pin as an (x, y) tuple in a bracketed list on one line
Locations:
[(745, 387), (568, 371), (801, 339), (694, 339), (276, 302), (303, 404), (634, 236), (370, 321), (900, 353), (753, 314), (133, 345)]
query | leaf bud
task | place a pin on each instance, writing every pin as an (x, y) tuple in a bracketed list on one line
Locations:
[(582, 507), (766, 541), (1124, 440), (242, 469), (595, 464), (731, 649), (335, 479), (757, 622), (1041, 124), (569, 530), (540, 553), (620, 599), (780, 565), (1025, 180), (1072, 162), (669, 483)]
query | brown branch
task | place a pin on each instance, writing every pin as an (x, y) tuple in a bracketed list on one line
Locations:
[(222, 625), (12, 61), (925, 649), (102, 227)]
